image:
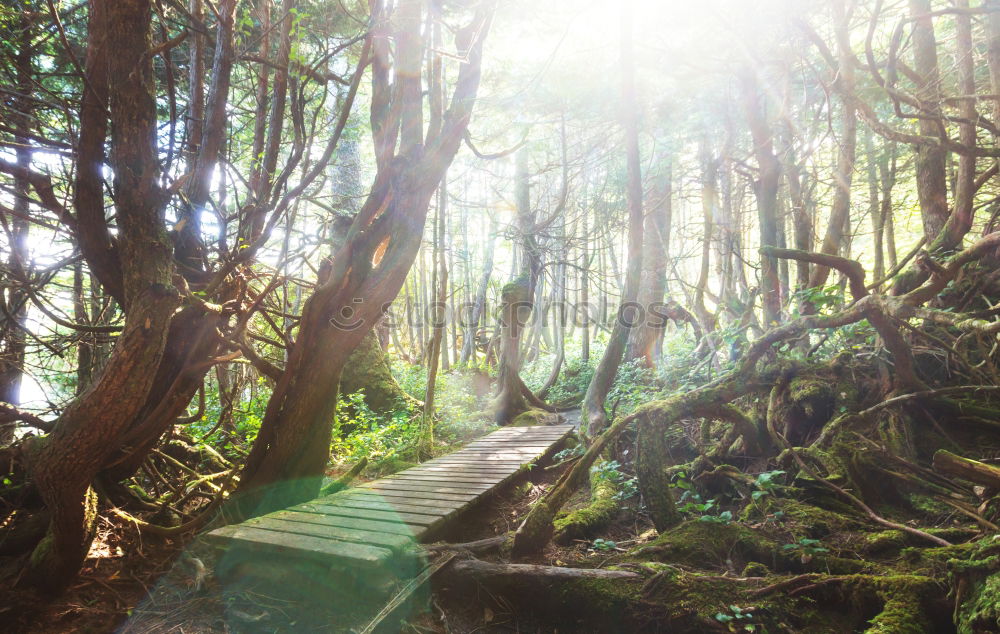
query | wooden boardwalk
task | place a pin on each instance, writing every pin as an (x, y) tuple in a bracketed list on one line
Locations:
[(375, 526)]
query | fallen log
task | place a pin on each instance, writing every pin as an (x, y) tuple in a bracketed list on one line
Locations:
[(967, 469), (489, 573)]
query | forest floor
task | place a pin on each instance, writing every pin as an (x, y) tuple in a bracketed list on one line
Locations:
[(167, 585)]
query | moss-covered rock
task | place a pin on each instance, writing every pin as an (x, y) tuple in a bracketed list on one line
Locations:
[(529, 418)]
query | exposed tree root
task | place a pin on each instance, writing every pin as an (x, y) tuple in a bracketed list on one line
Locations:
[(603, 508)]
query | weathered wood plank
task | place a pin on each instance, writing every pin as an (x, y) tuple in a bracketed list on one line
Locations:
[(472, 461), (450, 476), (371, 495), (287, 522), (379, 503), (316, 513), (367, 523), (392, 528), (419, 495), (401, 485), (284, 544)]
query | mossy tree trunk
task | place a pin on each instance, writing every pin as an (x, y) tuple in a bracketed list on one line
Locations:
[(367, 369)]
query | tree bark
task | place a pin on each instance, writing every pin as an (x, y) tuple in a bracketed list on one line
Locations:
[(765, 189), (932, 185), (286, 462), (63, 464), (597, 391)]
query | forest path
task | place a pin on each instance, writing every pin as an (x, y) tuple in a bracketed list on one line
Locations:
[(573, 417), (367, 535)]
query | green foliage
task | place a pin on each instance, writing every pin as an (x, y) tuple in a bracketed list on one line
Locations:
[(460, 412), (737, 619), (247, 416), (360, 432), (603, 545), (570, 452), (633, 386), (821, 297), (806, 548), (573, 380), (691, 503), (610, 470), (765, 484)]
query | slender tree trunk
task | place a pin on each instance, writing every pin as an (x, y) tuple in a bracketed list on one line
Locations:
[(932, 185), (766, 192), (653, 285), (709, 209), (875, 208), (13, 298), (518, 303), (426, 442), (604, 376), (847, 144), (960, 221), (479, 304)]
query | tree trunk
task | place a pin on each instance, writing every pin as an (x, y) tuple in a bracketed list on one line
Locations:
[(63, 464), (847, 144), (604, 376), (932, 185), (287, 460), (13, 298), (766, 192), (479, 304)]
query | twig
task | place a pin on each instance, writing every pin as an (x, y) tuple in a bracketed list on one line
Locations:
[(857, 502), (406, 592)]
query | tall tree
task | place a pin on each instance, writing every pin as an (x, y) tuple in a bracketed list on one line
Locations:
[(604, 375)]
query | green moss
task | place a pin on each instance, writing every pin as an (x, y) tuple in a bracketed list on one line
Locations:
[(811, 520), (708, 544), (981, 611), (367, 370), (529, 418), (756, 569), (884, 541), (928, 505), (812, 393), (609, 597), (585, 522), (902, 613), (394, 464)]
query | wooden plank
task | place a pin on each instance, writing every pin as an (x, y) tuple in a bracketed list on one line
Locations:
[(471, 461), (465, 467), (419, 495), (307, 512), (541, 445), (430, 485), (284, 523), (401, 485), (556, 435), (283, 544), (535, 429), (378, 503), (449, 476), (511, 453), (373, 496), (393, 528)]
